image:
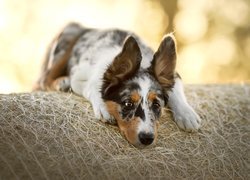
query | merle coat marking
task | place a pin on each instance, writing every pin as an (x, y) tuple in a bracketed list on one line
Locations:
[(123, 78)]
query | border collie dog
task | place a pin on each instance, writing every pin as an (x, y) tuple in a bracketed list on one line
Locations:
[(124, 80)]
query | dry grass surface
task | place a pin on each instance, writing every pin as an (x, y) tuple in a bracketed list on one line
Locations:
[(55, 136)]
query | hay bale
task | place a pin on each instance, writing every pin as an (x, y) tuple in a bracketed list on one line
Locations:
[(49, 135)]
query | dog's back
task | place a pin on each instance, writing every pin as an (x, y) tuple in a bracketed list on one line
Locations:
[(88, 47), (125, 81), (103, 45)]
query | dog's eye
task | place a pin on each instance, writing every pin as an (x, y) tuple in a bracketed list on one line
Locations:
[(129, 104)]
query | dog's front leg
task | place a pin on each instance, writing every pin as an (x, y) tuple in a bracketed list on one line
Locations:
[(184, 115), (87, 84), (99, 107)]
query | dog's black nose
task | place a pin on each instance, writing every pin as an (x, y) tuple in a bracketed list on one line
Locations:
[(146, 138)]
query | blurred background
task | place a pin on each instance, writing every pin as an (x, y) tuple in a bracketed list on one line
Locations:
[(213, 35)]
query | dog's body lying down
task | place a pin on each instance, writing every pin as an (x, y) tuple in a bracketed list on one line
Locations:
[(124, 80)]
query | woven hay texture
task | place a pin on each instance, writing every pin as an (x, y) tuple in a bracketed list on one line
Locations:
[(49, 135)]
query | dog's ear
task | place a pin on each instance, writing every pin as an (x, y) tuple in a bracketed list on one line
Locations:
[(164, 62), (124, 66)]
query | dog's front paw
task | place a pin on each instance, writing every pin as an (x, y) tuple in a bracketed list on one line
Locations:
[(187, 119), (62, 84), (102, 114)]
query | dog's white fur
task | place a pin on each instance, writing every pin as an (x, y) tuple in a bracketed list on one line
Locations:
[(86, 80), (183, 113), (95, 53)]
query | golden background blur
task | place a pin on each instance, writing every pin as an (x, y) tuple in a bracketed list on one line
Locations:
[(213, 35)]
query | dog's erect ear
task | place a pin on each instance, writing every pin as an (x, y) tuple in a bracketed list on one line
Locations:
[(124, 66), (164, 62)]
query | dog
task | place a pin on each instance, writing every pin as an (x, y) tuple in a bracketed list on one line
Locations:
[(124, 80)]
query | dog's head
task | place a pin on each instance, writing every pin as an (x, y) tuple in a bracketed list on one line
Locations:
[(134, 96)]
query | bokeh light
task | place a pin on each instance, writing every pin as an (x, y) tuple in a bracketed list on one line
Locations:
[(213, 36)]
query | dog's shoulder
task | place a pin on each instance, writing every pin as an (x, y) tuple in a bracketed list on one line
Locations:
[(94, 44)]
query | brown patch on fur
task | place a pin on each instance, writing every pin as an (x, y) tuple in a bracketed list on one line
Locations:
[(56, 85), (135, 97), (58, 69), (152, 96), (127, 128), (164, 73), (112, 108), (164, 62)]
